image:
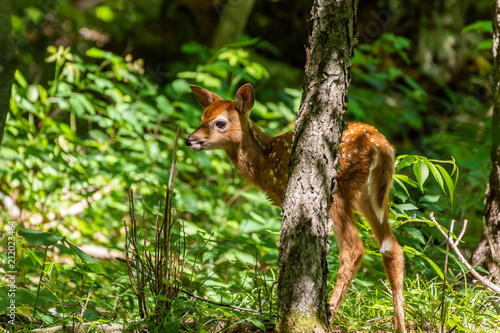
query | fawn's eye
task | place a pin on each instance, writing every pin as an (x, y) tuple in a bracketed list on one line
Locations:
[(220, 124)]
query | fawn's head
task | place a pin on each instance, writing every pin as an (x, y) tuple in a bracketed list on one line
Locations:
[(223, 123)]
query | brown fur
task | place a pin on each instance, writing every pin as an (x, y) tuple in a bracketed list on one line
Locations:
[(364, 180)]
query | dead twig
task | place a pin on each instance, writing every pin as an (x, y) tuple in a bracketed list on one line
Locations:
[(484, 281), (443, 299), (89, 295)]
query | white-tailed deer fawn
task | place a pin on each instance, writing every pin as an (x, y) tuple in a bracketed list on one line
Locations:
[(364, 180)]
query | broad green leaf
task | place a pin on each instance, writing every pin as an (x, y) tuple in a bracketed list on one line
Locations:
[(24, 296), (480, 26), (430, 198), (258, 323), (36, 238), (416, 234), (405, 207), (406, 161), (91, 262), (485, 45), (421, 172)]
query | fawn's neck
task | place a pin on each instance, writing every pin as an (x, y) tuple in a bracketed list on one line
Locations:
[(263, 160)]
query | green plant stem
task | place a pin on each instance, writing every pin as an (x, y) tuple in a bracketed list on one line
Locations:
[(40, 282)]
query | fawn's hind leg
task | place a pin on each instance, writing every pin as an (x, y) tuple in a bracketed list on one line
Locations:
[(392, 254), (352, 249)]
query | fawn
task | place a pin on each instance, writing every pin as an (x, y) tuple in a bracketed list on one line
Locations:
[(364, 180)]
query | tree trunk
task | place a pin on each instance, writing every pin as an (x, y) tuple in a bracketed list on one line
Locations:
[(487, 252), (233, 21), (303, 267), (8, 63)]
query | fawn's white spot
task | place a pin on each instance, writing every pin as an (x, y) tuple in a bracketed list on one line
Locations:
[(386, 247)]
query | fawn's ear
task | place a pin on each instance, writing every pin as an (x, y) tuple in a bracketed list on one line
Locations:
[(245, 98), (204, 97)]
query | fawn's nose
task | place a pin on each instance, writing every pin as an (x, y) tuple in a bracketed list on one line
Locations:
[(188, 141)]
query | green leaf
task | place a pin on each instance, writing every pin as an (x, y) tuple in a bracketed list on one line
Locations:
[(257, 71), (36, 238), (104, 13), (96, 53), (400, 183), (405, 207), (421, 171), (79, 103), (20, 79), (435, 173), (449, 182), (258, 323), (485, 45), (410, 251), (164, 105), (430, 198), (181, 86), (416, 234), (93, 264), (406, 161), (407, 180), (24, 296), (480, 26)]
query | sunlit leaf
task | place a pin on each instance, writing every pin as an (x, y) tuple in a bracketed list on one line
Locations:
[(36, 238), (91, 262)]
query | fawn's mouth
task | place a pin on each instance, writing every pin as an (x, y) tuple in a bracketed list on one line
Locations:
[(196, 146)]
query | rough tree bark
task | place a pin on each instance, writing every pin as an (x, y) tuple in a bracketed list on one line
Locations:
[(8, 63), (302, 290), (487, 253)]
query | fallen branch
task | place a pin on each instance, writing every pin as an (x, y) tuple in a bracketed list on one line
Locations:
[(483, 280)]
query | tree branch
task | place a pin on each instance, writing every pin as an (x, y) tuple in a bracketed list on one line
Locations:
[(483, 280)]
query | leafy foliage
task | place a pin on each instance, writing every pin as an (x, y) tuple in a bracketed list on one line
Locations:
[(102, 125)]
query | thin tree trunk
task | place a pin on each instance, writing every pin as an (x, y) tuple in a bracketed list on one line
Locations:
[(487, 252), (8, 63), (303, 267), (233, 21)]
